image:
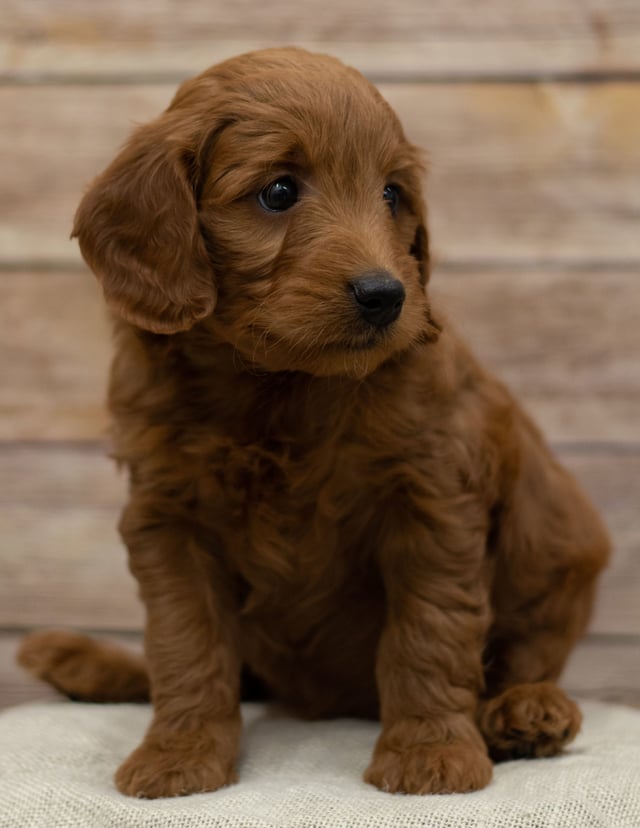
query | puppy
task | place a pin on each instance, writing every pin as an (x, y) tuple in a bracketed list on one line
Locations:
[(326, 489)]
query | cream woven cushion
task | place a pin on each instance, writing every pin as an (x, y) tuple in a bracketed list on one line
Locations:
[(57, 763)]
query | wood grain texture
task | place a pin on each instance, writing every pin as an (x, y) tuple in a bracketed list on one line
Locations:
[(55, 349), (607, 669), (41, 37), (612, 480), (567, 343), (534, 195), (518, 172), (61, 561)]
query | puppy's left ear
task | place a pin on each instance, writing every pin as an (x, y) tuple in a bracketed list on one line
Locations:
[(138, 229), (420, 251)]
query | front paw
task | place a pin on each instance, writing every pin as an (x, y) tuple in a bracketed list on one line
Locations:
[(154, 771), (430, 769)]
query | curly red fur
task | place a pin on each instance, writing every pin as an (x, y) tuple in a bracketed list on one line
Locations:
[(362, 516)]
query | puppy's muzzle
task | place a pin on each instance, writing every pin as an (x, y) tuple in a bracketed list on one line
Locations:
[(379, 297)]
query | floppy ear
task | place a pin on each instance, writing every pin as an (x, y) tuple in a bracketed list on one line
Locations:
[(420, 245), (138, 230), (420, 251)]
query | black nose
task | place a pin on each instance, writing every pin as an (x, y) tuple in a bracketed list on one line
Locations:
[(379, 296)]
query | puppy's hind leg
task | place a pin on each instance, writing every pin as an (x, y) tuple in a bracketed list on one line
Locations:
[(84, 668), (524, 713), (550, 548)]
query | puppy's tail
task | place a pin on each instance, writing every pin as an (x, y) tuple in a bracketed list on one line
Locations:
[(83, 668)]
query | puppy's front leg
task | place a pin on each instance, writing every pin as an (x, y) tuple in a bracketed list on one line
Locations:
[(193, 661), (429, 668)]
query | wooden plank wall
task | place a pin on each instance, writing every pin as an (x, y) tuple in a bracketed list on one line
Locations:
[(530, 113)]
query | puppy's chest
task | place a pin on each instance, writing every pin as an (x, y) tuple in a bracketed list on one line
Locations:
[(292, 522)]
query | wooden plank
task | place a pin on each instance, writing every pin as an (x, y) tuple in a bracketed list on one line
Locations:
[(567, 342), (606, 669), (406, 37), (42, 181), (546, 172), (61, 562), (612, 480), (616, 679), (55, 349)]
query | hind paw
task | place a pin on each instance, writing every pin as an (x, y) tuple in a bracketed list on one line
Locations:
[(529, 720)]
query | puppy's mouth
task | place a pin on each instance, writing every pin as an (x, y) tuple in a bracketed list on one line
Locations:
[(351, 343), (392, 336), (361, 342), (325, 350)]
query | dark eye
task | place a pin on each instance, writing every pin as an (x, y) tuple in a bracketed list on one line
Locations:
[(391, 196), (280, 195)]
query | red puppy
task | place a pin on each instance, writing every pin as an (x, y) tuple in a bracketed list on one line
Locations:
[(326, 487)]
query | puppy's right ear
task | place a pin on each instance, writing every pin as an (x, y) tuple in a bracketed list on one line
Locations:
[(138, 230)]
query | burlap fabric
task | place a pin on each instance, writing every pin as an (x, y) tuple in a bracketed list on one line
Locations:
[(57, 763)]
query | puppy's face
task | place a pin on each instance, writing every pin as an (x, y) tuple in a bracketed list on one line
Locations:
[(299, 216)]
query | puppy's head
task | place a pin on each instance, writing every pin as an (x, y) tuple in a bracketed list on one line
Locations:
[(278, 203)]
